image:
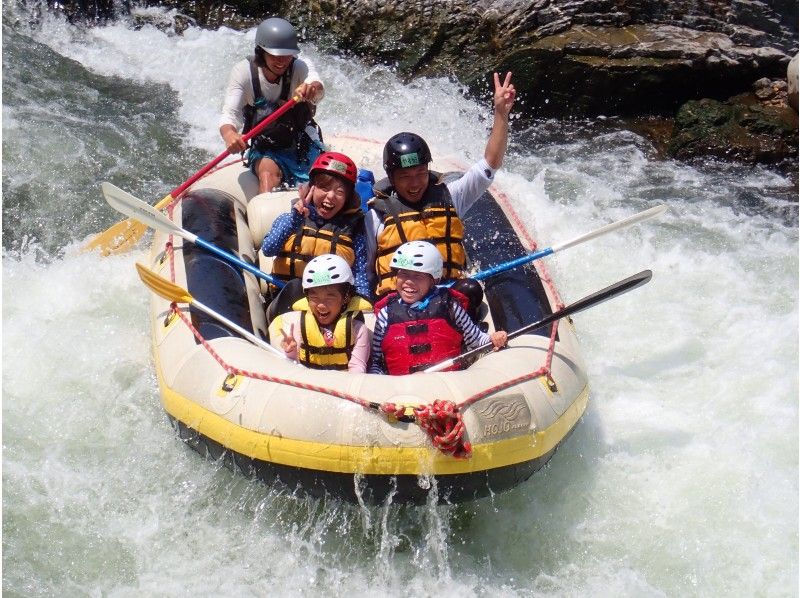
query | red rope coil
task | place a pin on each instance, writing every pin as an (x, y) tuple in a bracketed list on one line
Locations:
[(443, 423)]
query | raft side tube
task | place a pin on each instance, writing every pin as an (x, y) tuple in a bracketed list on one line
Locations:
[(516, 297), (371, 489), (216, 283)]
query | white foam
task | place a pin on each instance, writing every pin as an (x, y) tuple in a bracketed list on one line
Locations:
[(680, 480)]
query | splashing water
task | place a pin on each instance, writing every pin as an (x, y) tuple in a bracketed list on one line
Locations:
[(681, 478)]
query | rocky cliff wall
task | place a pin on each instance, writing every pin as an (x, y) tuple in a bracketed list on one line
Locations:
[(570, 57)]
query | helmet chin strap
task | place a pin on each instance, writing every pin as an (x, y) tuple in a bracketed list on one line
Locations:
[(278, 75)]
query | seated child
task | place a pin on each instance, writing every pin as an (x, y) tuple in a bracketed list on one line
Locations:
[(327, 219), (324, 332), (421, 324)]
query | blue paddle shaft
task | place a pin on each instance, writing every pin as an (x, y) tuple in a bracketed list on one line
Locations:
[(512, 264), (232, 258)]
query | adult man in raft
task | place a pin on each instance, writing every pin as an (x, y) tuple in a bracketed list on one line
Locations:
[(258, 86), (417, 206)]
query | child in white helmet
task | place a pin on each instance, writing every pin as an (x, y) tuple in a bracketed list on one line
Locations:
[(421, 324), (324, 331)]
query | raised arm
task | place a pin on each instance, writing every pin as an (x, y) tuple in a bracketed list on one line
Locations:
[(504, 96)]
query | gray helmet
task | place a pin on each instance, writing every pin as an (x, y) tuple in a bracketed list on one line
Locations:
[(277, 37)]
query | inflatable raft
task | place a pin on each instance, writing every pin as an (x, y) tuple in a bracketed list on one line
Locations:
[(446, 437)]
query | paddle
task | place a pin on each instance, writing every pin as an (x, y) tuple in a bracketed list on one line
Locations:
[(123, 235), (651, 213), (623, 286), (131, 206), (172, 292)]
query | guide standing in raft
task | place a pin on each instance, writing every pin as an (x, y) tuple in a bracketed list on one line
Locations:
[(257, 87)]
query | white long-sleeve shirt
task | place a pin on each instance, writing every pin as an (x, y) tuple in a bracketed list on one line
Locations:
[(240, 89)]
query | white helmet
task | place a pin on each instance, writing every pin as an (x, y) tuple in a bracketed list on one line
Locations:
[(326, 269), (418, 256)]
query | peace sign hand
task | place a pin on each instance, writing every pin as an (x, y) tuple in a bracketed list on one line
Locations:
[(288, 344), (504, 95)]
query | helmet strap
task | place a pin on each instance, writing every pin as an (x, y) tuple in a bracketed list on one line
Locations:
[(278, 75)]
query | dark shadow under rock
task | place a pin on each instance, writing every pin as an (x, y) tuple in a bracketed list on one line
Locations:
[(741, 128)]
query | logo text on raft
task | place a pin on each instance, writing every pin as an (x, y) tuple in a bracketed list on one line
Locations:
[(503, 416)]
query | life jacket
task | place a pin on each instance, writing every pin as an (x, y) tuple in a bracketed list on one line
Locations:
[(418, 338), (433, 218), (312, 239), (313, 351), (289, 129)]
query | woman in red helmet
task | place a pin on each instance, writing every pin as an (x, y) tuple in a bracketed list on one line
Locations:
[(329, 220)]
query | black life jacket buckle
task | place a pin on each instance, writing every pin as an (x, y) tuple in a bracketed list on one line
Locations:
[(417, 328), (420, 349)]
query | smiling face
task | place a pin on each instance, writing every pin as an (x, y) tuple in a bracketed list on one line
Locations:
[(410, 183), (413, 286), (277, 65), (330, 195), (327, 302)]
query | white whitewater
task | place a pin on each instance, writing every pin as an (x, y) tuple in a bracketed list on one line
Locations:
[(681, 480)]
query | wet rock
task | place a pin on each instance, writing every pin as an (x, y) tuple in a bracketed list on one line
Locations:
[(791, 78), (741, 128), (569, 57), (170, 22), (636, 69), (572, 57)]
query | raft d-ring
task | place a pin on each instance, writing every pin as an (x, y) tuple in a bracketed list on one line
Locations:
[(551, 384), (408, 417), (230, 382), (169, 318)]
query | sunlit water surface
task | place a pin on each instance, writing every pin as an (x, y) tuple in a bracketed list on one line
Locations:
[(681, 479)]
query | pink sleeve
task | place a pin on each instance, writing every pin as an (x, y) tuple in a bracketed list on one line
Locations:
[(360, 355)]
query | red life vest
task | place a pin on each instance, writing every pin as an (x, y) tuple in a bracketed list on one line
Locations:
[(418, 338)]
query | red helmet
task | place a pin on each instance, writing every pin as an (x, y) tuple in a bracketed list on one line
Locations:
[(336, 164)]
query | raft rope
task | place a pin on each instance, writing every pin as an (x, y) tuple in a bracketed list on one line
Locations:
[(441, 420)]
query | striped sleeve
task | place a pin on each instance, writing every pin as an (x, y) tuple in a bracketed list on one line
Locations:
[(376, 360), (473, 336)]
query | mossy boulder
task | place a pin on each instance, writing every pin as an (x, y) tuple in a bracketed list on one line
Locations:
[(740, 128)]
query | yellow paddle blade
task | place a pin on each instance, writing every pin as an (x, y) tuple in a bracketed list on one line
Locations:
[(163, 287), (122, 236), (118, 238)]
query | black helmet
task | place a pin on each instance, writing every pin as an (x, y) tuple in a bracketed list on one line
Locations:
[(405, 150), (277, 37)]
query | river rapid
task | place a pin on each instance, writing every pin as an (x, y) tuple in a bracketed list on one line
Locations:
[(680, 480)]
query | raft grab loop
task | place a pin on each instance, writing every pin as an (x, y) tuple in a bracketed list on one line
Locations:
[(444, 424), (229, 383)]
